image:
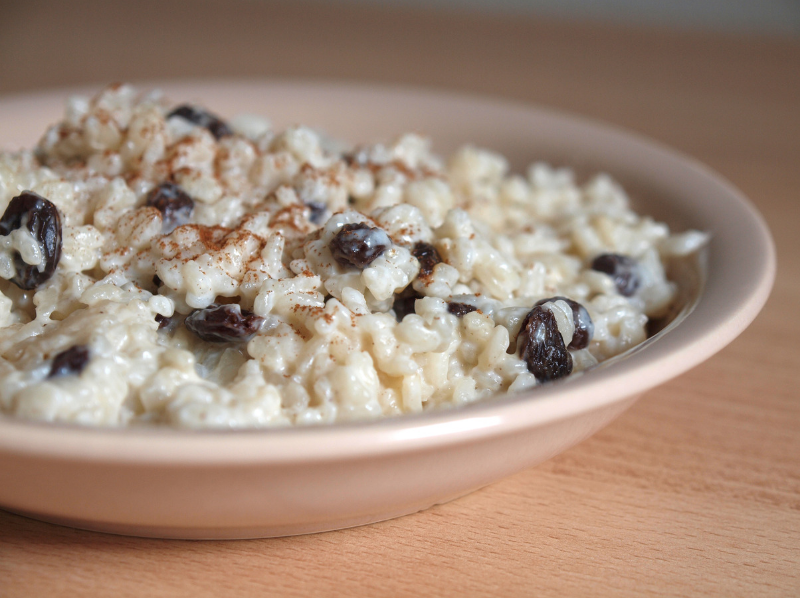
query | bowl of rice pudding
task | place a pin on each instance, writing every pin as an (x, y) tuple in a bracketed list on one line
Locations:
[(375, 301)]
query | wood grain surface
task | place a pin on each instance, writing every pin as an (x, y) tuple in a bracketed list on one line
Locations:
[(694, 491)]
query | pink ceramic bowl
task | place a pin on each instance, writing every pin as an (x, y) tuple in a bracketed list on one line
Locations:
[(180, 484)]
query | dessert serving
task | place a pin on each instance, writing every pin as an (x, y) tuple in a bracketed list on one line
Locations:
[(162, 266)]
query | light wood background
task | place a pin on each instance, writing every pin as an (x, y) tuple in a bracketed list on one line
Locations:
[(694, 491)]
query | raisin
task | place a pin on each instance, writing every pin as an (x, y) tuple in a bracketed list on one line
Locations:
[(163, 321), (43, 221), (223, 323), (72, 361), (584, 327), (460, 309), (622, 269), (404, 303), (427, 256), (203, 118), (541, 345), (317, 211), (173, 202), (359, 244), (357, 158)]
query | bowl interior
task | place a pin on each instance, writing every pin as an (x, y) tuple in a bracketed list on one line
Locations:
[(662, 183)]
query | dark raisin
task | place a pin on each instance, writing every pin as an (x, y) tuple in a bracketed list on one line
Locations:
[(317, 210), (359, 244), (357, 158), (622, 269), (541, 345), (460, 309), (404, 303), (71, 361), (584, 327), (223, 323), (427, 256), (43, 221), (173, 202), (163, 321), (204, 119)]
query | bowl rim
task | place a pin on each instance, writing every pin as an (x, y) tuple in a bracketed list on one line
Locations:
[(705, 331)]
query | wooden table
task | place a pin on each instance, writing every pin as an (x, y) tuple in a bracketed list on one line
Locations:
[(694, 491)]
